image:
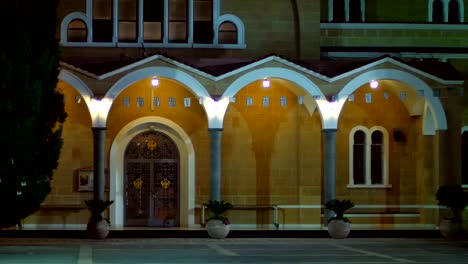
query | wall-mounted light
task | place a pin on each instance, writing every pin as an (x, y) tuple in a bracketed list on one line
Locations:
[(155, 82), (374, 84), (266, 83)]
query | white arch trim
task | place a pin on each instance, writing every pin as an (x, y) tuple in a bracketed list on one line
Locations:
[(191, 83), (236, 21), (78, 84), (416, 83), (286, 74), (68, 19), (187, 167)]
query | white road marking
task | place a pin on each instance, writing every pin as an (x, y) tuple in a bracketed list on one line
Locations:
[(222, 250), (86, 255), (370, 253)]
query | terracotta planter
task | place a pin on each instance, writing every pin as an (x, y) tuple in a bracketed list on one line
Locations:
[(339, 229), (450, 229), (217, 229), (99, 230)]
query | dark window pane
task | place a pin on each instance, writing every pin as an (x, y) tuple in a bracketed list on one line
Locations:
[(454, 15), (376, 164), (355, 11), (464, 154), (437, 12), (203, 21), (359, 157), (377, 137), (359, 137), (377, 158), (338, 11), (153, 11), (359, 165)]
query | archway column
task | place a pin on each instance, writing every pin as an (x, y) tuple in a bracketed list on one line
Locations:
[(329, 169), (215, 163), (99, 137)]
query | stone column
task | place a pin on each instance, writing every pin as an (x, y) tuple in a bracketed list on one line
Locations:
[(99, 136), (215, 163), (329, 169)]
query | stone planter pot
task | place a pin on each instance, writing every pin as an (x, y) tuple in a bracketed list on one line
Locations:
[(99, 230), (339, 229), (450, 229), (217, 229)]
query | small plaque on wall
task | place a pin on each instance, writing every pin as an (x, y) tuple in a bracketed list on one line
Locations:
[(85, 180)]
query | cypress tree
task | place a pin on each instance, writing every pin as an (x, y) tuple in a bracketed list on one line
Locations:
[(32, 109)]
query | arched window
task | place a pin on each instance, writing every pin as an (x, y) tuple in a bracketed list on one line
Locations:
[(454, 12), (437, 11), (464, 157), (359, 157), (77, 31), (443, 11), (227, 33), (339, 11), (355, 11), (368, 157)]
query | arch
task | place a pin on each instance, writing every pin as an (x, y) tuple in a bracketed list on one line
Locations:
[(271, 72), (191, 83), (78, 84), (414, 82), (68, 19), (187, 167), (236, 21), (311, 88)]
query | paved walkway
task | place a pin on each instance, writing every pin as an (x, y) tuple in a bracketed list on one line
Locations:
[(246, 250)]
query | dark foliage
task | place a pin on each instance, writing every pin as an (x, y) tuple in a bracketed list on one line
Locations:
[(454, 198), (97, 207), (339, 207), (31, 108), (217, 208)]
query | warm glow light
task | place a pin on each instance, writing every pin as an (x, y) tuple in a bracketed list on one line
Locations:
[(374, 84), (99, 109), (266, 83), (155, 82)]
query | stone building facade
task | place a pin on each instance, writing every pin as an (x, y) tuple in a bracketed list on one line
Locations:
[(275, 107)]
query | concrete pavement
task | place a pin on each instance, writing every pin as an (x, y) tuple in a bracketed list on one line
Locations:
[(232, 250)]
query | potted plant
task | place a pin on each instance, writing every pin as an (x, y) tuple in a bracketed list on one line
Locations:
[(339, 226), (98, 226), (218, 224), (453, 197)]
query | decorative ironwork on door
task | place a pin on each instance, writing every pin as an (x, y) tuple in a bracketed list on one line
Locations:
[(152, 181)]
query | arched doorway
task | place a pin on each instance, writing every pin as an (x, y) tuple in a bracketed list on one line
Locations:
[(151, 169)]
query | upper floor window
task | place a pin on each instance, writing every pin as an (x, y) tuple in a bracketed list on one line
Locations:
[(446, 11), (150, 23), (352, 11), (368, 157)]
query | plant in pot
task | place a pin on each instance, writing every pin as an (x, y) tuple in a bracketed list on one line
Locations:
[(98, 226), (218, 224), (454, 198), (339, 226)]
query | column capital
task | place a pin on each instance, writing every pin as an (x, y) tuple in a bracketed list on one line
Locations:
[(215, 129)]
